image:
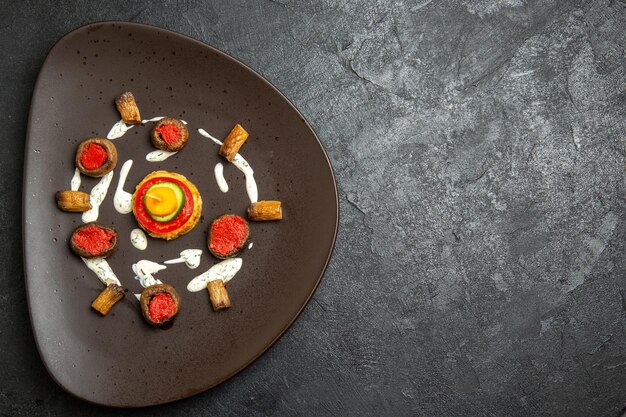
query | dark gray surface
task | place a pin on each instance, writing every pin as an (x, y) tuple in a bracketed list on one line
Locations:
[(479, 151)]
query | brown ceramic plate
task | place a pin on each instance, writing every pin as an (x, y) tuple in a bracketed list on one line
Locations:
[(119, 360)]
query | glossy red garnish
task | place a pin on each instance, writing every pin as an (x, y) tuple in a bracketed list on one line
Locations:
[(227, 234), (169, 133), (161, 307), (93, 156), (162, 227), (93, 239)]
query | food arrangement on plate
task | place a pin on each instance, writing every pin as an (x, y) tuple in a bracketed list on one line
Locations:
[(166, 205)]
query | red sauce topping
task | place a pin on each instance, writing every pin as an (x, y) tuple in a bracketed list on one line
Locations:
[(161, 307), (169, 133), (162, 227), (93, 156), (93, 239), (228, 233)]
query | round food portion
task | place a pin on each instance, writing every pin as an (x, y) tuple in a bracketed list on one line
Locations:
[(93, 156), (228, 235), (96, 157), (93, 240), (166, 205), (169, 134), (159, 304), (164, 200)]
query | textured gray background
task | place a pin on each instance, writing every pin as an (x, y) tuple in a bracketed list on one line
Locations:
[(479, 151)]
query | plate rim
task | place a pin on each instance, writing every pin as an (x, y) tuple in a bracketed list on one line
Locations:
[(25, 187)]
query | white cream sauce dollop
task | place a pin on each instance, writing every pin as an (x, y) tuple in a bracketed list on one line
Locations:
[(224, 270), (138, 239), (97, 196), (122, 200), (144, 272), (118, 130), (75, 183), (159, 155), (191, 258), (219, 177), (102, 269), (242, 165), (154, 119), (157, 118)]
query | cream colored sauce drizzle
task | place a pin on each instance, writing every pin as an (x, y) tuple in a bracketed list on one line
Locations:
[(75, 183), (224, 270), (242, 165), (144, 271), (97, 196), (102, 269), (118, 130), (206, 135), (122, 200), (138, 239), (159, 155), (191, 258), (219, 177), (154, 119), (157, 118), (250, 245)]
